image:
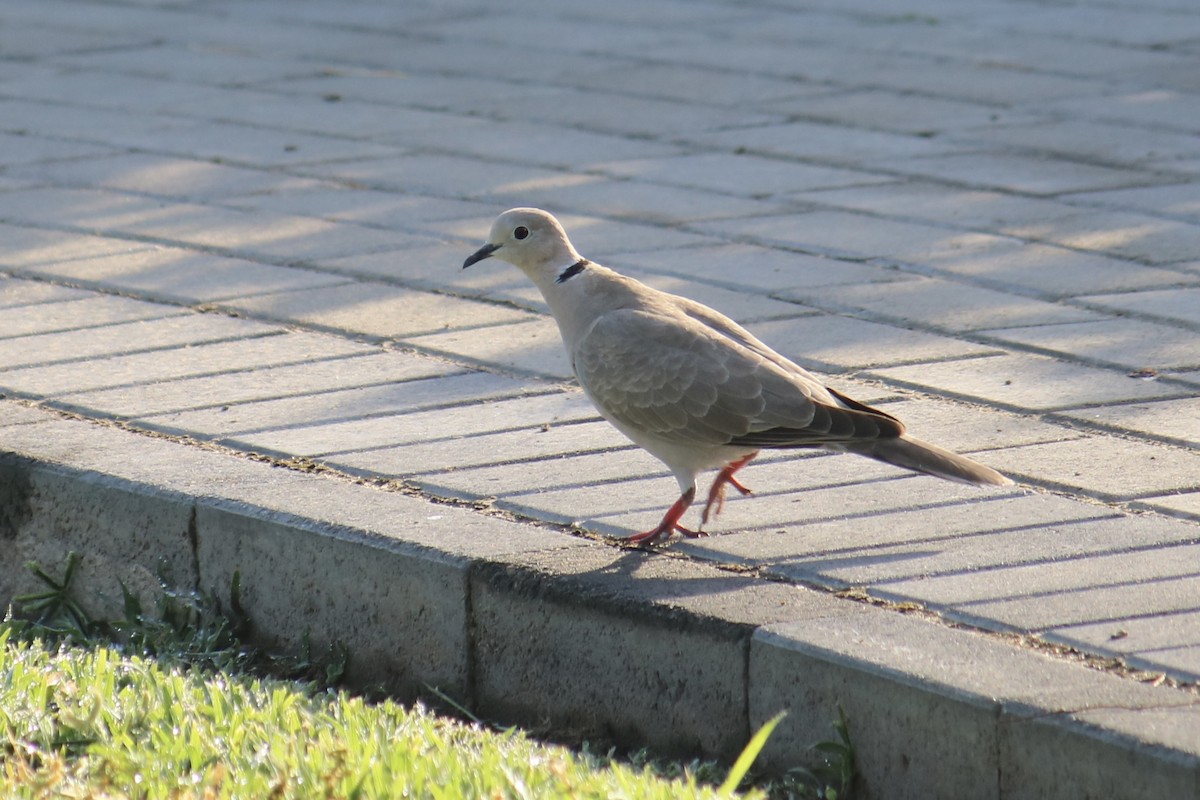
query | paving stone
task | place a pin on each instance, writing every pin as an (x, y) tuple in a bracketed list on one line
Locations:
[(965, 428), (1021, 381), (336, 201), (368, 368), (376, 310), (597, 236), (1039, 596), (75, 314), (836, 343), (538, 452), (1168, 639), (1128, 469), (179, 275), (501, 282), (625, 115), (741, 175), (1121, 233), (1047, 270), (848, 234), (695, 84), (226, 230), (1185, 504), (456, 177), (497, 413), (1177, 421), (1163, 595), (161, 176), (16, 414), (1092, 139), (1021, 173), (15, 293), (636, 201), (236, 420), (743, 266), (989, 211), (158, 366), (32, 248), (1182, 304), (894, 111), (507, 484), (542, 145), (1119, 342), (851, 147), (164, 59), (1179, 200), (982, 533), (128, 337), (940, 304), (23, 149), (960, 554), (531, 347), (638, 505)]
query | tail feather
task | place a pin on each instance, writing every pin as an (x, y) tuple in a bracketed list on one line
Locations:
[(930, 459)]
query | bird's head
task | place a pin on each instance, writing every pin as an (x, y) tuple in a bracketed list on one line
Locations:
[(530, 239)]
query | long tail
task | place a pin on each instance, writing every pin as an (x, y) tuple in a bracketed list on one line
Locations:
[(930, 459)]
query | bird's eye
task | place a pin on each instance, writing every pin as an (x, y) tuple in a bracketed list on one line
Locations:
[(521, 232)]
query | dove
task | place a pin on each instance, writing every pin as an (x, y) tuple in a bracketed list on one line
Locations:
[(689, 385)]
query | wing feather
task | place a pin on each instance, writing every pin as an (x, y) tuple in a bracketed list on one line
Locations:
[(682, 380)]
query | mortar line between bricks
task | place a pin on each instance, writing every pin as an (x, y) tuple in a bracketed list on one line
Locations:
[(1039, 562), (57, 396), (874, 169), (307, 466)]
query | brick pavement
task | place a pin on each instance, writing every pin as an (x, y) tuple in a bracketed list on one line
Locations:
[(242, 222)]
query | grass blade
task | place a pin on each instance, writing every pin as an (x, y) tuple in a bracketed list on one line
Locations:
[(740, 767)]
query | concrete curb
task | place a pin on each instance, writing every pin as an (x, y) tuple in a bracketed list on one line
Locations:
[(529, 625)]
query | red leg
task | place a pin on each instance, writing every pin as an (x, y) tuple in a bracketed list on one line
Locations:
[(717, 493), (670, 522)]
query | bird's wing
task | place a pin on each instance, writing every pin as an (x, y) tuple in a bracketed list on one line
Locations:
[(675, 378)]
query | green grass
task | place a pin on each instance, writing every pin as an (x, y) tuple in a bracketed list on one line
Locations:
[(95, 723), (172, 704)]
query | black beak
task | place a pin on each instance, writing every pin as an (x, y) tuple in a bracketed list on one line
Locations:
[(480, 254)]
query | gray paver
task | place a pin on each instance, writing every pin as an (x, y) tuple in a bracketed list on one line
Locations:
[(76, 314), (371, 308), (532, 347), (264, 383), (1179, 200), (332, 406), (1181, 304), (1122, 342), (740, 175), (149, 368), (178, 275), (1128, 470), (1173, 420), (177, 330), (1124, 234), (498, 414), (1023, 381), (837, 343), (941, 304), (741, 266), (962, 185)]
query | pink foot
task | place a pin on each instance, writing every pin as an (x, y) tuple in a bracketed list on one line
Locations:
[(670, 522), (716, 495)]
